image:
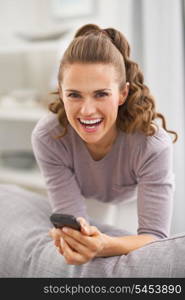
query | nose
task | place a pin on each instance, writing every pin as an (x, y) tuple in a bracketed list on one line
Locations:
[(88, 107)]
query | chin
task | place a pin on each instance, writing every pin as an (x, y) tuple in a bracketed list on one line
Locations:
[(90, 139)]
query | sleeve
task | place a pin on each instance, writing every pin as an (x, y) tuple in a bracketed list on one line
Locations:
[(62, 188), (155, 188)]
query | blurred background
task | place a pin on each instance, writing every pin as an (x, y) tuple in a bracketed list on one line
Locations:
[(33, 37)]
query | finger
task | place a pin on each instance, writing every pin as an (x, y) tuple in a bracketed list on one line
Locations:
[(85, 227), (75, 234), (60, 246), (57, 243), (71, 256), (76, 246), (93, 230), (87, 241), (55, 233), (60, 250)]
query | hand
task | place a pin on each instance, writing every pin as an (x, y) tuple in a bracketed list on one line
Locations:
[(56, 233), (78, 247)]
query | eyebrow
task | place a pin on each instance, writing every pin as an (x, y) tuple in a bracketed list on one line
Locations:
[(75, 91)]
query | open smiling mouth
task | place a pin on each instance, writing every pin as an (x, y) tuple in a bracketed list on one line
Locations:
[(90, 127)]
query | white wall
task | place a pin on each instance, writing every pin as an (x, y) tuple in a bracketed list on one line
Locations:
[(163, 52), (23, 69)]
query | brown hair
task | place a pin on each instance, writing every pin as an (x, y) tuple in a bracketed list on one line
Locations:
[(91, 44)]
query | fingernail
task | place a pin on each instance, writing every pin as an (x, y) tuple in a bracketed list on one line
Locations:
[(64, 229)]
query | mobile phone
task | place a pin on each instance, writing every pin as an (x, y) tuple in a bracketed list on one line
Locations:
[(61, 220)]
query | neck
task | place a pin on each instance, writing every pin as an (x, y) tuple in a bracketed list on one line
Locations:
[(103, 146)]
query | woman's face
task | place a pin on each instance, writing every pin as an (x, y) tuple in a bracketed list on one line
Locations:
[(91, 99)]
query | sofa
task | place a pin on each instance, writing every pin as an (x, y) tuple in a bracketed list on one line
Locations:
[(26, 250)]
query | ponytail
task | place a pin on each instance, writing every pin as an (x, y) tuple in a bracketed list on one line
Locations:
[(139, 108)]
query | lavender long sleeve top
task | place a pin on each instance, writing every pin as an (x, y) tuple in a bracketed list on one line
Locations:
[(136, 165)]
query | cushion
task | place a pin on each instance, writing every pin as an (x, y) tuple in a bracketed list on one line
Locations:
[(26, 250)]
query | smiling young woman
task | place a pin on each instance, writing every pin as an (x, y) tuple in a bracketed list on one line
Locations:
[(101, 140), (91, 103)]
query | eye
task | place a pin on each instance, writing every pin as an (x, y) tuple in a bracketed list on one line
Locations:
[(74, 95), (102, 94)]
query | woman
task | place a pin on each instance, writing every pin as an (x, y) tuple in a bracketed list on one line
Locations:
[(102, 141)]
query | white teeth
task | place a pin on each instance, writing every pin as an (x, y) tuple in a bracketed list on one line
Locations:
[(90, 121)]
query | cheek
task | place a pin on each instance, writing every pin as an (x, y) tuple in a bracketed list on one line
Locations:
[(67, 107), (113, 106), (70, 110)]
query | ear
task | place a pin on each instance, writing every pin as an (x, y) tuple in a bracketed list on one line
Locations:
[(124, 93)]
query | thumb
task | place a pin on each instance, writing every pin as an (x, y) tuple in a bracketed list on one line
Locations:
[(85, 227)]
